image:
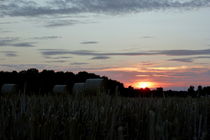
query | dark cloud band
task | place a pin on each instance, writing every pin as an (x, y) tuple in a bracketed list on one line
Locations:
[(89, 42), (58, 7), (9, 53), (191, 59), (14, 42), (52, 52)]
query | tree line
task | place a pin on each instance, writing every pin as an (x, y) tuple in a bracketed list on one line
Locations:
[(32, 82)]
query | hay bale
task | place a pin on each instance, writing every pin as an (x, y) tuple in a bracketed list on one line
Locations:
[(94, 86), (60, 89), (78, 89), (9, 89)]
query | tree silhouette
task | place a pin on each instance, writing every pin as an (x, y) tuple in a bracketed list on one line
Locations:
[(32, 82), (191, 91)]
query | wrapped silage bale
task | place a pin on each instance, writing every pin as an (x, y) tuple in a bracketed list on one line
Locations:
[(78, 89), (94, 86), (8, 89), (60, 89)]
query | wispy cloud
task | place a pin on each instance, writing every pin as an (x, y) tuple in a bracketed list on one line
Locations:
[(79, 63), (56, 7), (4, 31), (9, 53), (152, 69), (57, 57), (2, 23), (147, 37), (185, 52), (142, 53), (24, 66), (191, 59), (164, 76), (89, 42), (182, 60), (14, 42), (46, 37), (59, 23), (100, 57), (56, 61)]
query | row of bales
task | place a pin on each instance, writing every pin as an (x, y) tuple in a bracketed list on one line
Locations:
[(34, 82), (99, 86), (89, 87)]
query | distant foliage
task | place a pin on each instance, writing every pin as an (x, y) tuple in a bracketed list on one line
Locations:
[(33, 82)]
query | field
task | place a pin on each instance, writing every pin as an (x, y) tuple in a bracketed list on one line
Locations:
[(104, 117)]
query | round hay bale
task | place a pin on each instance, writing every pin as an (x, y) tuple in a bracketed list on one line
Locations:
[(9, 89), (60, 89), (94, 86), (78, 89)]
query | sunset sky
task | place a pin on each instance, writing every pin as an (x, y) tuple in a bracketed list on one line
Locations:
[(166, 42)]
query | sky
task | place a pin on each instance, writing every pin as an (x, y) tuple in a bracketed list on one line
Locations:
[(166, 42)]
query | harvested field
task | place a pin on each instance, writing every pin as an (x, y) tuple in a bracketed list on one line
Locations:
[(104, 117)]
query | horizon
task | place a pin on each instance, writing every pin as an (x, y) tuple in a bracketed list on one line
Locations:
[(163, 42), (136, 86)]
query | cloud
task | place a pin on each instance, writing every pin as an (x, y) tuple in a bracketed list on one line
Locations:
[(24, 66), (58, 57), (50, 52), (147, 37), (89, 42), (32, 8), (59, 23), (23, 44), (2, 23), (46, 37), (202, 57), (5, 31), (14, 42), (57, 61), (191, 59), (167, 76), (182, 60), (185, 52), (145, 63), (88, 53), (100, 57), (9, 53), (79, 63)]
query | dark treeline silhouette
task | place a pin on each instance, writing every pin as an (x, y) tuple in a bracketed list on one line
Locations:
[(32, 82), (159, 92)]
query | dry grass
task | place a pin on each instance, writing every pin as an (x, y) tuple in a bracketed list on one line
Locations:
[(105, 118)]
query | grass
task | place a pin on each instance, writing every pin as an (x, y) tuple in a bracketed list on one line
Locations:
[(104, 117)]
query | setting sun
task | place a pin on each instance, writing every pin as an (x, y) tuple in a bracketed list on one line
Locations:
[(143, 85)]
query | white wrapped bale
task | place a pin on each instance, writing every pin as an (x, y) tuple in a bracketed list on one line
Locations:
[(94, 86), (60, 89), (9, 89), (78, 89)]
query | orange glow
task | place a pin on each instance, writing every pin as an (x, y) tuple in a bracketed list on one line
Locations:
[(143, 85)]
